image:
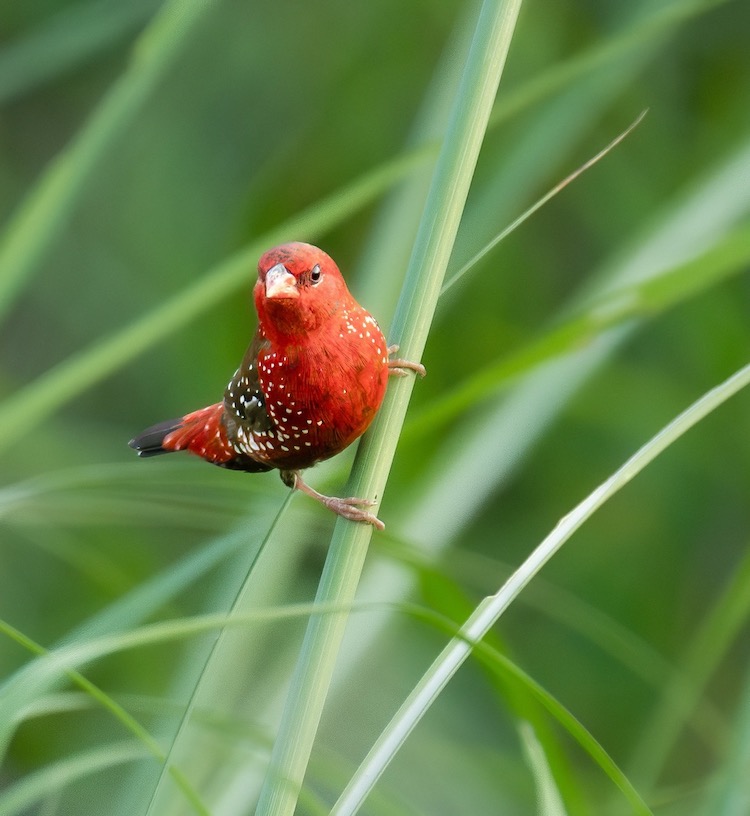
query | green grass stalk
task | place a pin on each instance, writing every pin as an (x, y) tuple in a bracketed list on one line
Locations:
[(424, 278)]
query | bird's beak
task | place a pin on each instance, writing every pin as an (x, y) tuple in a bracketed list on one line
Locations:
[(280, 283)]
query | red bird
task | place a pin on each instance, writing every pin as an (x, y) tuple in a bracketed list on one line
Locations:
[(310, 384)]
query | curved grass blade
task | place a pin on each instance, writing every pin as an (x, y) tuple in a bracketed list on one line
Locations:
[(490, 610), (169, 768), (506, 669), (42, 214), (25, 685), (613, 309), (18, 798), (537, 205), (576, 729), (66, 40), (612, 638)]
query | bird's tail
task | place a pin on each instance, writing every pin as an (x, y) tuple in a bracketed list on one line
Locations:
[(201, 433)]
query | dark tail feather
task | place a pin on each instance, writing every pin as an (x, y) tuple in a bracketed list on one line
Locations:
[(201, 432), (149, 443)]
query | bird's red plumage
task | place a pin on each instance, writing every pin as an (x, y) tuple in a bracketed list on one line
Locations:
[(202, 433), (310, 383)]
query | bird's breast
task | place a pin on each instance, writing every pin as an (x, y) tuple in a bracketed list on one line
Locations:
[(321, 395)]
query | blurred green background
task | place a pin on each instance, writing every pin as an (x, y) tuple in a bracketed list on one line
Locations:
[(143, 150)]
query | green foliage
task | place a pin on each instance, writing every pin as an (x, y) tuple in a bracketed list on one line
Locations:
[(152, 613)]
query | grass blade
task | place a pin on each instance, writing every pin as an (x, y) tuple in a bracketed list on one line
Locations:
[(489, 611), (496, 440), (42, 214), (67, 40), (548, 797), (617, 307), (429, 260), (18, 798), (516, 678), (19, 690), (705, 653), (731, 796), (549, 195), (169, 768)]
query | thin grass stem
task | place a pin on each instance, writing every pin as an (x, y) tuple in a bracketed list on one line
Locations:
[(429, 260)]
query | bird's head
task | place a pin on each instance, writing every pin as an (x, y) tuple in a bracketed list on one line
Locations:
[(299, 288)]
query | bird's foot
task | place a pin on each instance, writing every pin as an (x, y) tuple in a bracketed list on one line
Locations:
[(401, 368), (349, 508)]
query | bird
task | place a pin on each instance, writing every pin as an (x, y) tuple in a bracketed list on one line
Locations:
[(310, 383)]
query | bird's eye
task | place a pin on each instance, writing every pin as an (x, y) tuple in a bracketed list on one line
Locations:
[(316, 274)]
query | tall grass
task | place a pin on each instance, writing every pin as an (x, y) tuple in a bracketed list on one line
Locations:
[(423, 282), (162, 649)]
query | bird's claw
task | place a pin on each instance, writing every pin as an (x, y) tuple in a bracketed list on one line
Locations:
[(349, 508), (401, 368)]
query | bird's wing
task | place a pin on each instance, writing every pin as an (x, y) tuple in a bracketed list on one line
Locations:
[(244, 401)]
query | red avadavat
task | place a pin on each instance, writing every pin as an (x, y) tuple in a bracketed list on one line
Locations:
[(310, 384)]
